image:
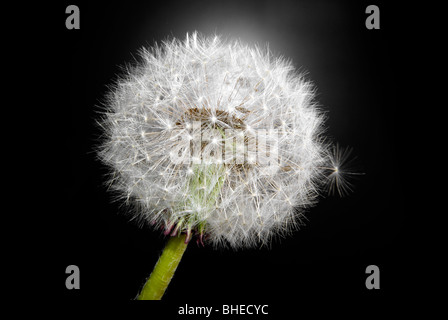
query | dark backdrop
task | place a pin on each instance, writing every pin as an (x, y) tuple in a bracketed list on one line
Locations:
[(356, 74)]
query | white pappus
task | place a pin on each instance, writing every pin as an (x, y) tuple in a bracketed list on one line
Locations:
[(216, 139)]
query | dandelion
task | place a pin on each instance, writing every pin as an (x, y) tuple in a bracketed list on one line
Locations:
[(218, 141)]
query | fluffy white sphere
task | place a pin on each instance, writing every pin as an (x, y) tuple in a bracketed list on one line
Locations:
[(215, 139)]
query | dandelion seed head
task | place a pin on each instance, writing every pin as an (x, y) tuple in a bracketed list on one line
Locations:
[(181, 89)]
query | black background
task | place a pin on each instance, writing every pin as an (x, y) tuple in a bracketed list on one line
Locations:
[(356, 72)]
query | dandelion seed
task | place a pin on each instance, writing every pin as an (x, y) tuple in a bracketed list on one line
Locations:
[(340, 173)]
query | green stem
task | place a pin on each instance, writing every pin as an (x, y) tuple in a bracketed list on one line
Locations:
[(164, 270)]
